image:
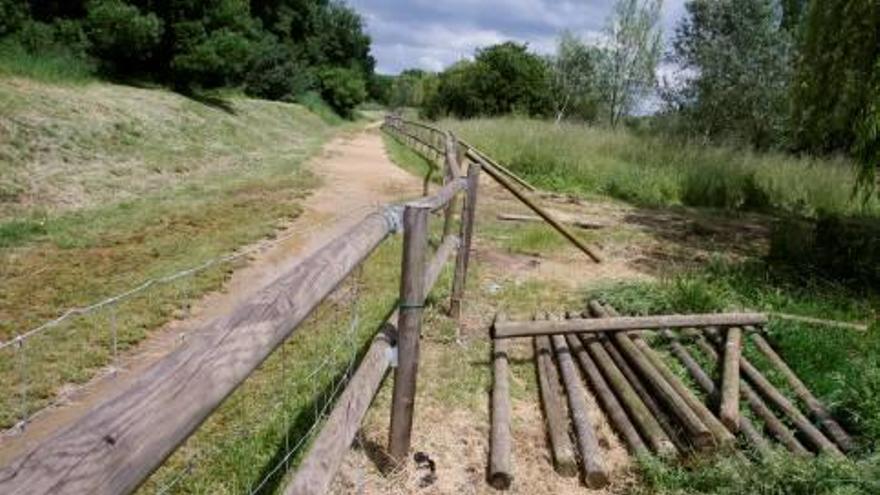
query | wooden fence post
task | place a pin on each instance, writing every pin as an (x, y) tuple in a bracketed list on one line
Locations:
[(412, 300), (467, 229), (451, 170)]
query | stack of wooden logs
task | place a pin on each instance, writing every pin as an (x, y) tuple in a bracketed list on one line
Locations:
[(650, 407)]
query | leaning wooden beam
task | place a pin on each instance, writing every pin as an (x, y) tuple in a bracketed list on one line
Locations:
[(817, 409), (757, 405), (624, 323), (506, 171), (500, 473), (589, 251), (554, 409), (533, 219), (729, 409), (722, 436), (314, 475), (775, 397), (613, 410), (668, 394), (116, 446), (592, 463), (746, 427), (646, 423)]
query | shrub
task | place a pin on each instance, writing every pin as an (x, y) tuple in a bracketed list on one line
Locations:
[(841, 248), (121, 36), (215, 59), (13, 14), (343, 89), (276, 73)]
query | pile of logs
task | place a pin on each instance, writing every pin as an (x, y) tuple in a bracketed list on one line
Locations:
[(649, 406)]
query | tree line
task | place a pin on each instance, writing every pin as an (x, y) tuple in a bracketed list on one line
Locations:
[(795, 75), (274, 49)]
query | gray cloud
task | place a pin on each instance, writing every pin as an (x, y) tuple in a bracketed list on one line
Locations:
[(432, 34)]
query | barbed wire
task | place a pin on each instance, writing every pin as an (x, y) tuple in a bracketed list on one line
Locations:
[(84, 310)]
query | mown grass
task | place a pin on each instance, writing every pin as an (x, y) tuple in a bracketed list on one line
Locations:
[(841, 367), (652, 171), (133, 184)]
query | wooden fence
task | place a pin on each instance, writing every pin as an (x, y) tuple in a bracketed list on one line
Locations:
[(118, 444)]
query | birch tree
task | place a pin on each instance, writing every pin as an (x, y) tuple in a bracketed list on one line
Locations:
[(573, 77), (632, 51)]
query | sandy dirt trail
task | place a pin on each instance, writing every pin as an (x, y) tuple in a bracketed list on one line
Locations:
[(356, 176)]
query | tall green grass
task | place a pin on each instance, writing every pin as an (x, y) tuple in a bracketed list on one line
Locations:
[(53, 66), (653, 171)]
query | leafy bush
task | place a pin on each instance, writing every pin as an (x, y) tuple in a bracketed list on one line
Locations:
[(343, 89), (277, 74), (121, 36), (840, 248), (216, 59), (13, 14)]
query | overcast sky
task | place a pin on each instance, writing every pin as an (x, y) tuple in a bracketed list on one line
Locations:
[(432, 34)]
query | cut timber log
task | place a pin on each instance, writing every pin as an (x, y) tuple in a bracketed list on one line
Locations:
[(643, 419), (723, 438), (817, 409), (315, 474), (613, 410), (117, 445), (729, 409), (757, 405), (533, 219), (821, 322), (746, 427), (699, 433), (641, 388), (500, 474), (589, 251), (554, 408), (775, 397), (592, 464), (624, 323)]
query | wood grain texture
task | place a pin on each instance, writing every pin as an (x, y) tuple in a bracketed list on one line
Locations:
[(814, 405), (705, 382), (617, 417), (554, 409), (624, 323), (771, 422), (115, 447), (729, 408), (462, 262), (409, 326), (500, 440), (592, 460)]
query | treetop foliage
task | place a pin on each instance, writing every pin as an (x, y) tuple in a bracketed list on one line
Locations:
[(272, 48)]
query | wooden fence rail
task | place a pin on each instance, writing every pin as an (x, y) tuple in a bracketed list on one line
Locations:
[(116, 446)]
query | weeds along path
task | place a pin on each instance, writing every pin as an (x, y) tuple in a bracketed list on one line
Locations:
[(355, 175)]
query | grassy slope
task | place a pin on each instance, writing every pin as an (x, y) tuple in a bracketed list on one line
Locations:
[(652, 172), (103, 186)]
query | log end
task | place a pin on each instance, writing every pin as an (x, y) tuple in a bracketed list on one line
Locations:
[(596, 478), (500, 480), (731, 422), (566, 467)]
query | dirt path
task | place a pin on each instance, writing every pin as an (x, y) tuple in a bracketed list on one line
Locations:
[(356, 176)]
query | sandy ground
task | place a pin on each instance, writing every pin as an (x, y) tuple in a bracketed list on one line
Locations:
[(356, 176)]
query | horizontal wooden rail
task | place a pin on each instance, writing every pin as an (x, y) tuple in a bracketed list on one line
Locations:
[(115, 447), (442, 198), (510, 329)]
